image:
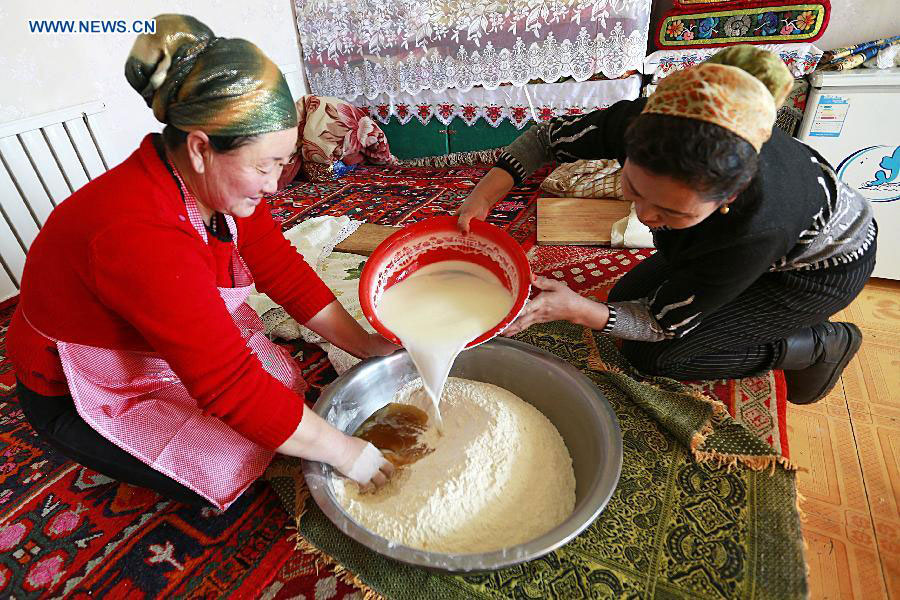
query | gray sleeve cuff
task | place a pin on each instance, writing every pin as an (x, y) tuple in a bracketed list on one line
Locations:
[(633, 321), (528, 152)]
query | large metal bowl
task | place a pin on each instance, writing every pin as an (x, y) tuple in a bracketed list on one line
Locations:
[(570, 400)]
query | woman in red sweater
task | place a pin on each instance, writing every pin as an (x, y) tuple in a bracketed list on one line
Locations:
[(135, 351)]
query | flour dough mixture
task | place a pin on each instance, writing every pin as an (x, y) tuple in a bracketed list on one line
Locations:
[(500, 475), (439, 309)]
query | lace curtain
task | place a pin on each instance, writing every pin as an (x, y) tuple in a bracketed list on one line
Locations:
[(365, 48)]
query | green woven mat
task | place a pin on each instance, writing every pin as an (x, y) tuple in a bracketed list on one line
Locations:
[(675, 527)]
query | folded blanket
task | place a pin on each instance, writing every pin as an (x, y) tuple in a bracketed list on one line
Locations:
[(586, 179)]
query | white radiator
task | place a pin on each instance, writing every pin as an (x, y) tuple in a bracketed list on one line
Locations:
[(44, 160)]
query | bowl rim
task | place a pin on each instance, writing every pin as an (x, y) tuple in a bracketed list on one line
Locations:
[(444, 223), (318, 476)]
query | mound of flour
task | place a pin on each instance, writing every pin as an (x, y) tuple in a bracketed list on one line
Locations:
[(500, 475)]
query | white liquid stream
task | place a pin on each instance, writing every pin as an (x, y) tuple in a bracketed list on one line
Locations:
[(439, 309)]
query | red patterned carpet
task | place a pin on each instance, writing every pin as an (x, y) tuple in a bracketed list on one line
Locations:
[(67, 531), (404, 195)]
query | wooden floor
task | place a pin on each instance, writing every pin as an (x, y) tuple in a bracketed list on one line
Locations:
[(849, 446)]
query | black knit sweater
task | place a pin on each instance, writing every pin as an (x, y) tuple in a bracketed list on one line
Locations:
[(794, 215)]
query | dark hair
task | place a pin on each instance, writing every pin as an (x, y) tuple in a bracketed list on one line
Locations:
[(174, 138), (717, 162)]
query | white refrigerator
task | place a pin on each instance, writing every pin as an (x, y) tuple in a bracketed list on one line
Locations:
[(853, 119)]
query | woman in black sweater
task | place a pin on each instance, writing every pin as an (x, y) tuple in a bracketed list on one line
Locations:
[(758, 243)]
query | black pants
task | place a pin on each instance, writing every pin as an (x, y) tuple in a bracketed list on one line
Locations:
[(57, 422), (742, 337)]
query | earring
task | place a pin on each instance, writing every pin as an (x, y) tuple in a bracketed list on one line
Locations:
[(724, 209)]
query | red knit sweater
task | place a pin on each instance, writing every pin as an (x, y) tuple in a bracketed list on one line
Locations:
[(118, 265)]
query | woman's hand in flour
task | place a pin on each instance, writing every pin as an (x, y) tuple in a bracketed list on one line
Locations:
[(365, 465), (557, 302), (315, 439)]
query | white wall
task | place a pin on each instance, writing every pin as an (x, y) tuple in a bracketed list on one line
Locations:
[(45, 72), (856, 21)]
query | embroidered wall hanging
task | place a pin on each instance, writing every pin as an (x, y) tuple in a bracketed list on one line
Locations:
[(726, 24)]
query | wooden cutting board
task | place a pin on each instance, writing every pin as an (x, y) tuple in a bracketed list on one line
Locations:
[(577, 221), (365, 239)]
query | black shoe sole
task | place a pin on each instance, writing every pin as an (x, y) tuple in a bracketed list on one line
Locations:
[(855, 342)]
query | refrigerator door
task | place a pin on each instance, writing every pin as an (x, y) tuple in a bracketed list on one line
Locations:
[(857, 128)]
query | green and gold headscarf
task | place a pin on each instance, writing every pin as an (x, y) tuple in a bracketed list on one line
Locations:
[(739, 88), (195, 80)]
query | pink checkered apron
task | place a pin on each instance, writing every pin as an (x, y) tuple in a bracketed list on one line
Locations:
[(136, 401)]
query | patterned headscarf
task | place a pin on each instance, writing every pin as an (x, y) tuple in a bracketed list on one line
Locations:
[(195, 80), (739, 88)]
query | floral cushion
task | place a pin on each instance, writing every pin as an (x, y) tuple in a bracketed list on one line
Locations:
[(586, 179), (336, 130), (331, 130)]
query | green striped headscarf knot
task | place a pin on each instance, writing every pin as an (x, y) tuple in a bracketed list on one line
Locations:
[(195, 80)]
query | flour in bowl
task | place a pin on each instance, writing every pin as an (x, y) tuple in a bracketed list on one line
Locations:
[(500, 475)]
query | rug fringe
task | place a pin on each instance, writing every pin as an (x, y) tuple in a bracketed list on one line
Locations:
[(323, 559), (350, 579), (326, 561), (801, 514), (798, 502), (473, 157), (718, 407), (289, 470), (699, 437), (790, 465), (752, 462)]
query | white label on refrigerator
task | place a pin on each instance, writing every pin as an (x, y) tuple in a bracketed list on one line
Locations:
[(831, 112)]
